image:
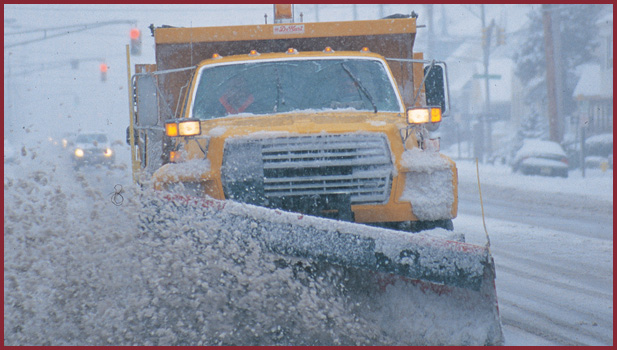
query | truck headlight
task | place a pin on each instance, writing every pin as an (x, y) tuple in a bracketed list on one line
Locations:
[(424, 115), (108, 152), (79, 152), (189, 127)]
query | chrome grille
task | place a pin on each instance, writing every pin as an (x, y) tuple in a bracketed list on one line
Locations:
[(356, 164)]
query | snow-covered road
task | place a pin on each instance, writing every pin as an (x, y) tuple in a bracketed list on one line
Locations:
[(76, 273), (553, 247)]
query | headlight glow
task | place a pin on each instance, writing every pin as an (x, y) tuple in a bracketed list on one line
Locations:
[(79, 152), (417, 116), (186, 127), (424, 115), (189, 128), (108, 152)]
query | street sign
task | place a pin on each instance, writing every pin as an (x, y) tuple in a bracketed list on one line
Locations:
[(490, 76)]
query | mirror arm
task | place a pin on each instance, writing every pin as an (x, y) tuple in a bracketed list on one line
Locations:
[(423, 82)]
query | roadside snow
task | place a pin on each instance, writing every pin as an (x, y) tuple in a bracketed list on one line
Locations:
[(595, 184)]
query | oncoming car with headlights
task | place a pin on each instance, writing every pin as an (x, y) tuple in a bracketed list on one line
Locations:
[(92, 149)]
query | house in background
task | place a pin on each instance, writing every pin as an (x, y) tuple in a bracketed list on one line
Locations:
[(469, 103), (461, 133), (594, 90)]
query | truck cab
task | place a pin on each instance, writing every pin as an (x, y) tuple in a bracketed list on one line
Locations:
[(332, 133)]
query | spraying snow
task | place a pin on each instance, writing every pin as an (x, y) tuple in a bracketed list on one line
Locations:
[(80, 271)]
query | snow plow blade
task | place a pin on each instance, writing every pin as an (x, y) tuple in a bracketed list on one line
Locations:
[(432, 291)]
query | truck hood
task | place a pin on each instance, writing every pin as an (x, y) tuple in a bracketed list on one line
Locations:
[(305, 122)]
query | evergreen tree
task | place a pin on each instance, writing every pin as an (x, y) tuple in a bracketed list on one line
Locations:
[(534, 126)]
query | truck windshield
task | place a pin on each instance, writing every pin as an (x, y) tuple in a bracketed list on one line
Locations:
[(268, 87)]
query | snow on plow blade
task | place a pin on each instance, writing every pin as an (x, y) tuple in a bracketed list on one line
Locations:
[(427, 290)]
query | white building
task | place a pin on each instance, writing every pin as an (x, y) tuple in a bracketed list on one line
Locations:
[(594, 90)]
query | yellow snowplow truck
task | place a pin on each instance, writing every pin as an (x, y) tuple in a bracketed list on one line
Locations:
[(326, 125)]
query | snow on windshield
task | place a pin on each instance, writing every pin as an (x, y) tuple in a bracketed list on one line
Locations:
[(267, 87)]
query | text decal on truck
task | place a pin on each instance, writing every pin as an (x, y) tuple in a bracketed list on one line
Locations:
[(289, 29)]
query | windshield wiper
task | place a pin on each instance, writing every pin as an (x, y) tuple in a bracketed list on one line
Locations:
[(360, 86)]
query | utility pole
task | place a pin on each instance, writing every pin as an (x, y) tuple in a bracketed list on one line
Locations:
[(8, 107), (486, 125), (431, 33), (444, 22), (549, 50), (559, 73)]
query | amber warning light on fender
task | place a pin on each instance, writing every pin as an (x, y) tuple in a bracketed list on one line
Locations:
[(424, 115), (182, 128)]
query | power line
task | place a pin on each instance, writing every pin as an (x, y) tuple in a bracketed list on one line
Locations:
[(141, 8), (71, 26), (81, 28)]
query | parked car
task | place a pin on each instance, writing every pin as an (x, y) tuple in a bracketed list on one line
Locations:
[(598, 149), (92, 149), (539, 157)]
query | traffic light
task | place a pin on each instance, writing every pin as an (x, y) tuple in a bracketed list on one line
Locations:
[(135, 42), (501, 36), (103, 68), (484, 37)]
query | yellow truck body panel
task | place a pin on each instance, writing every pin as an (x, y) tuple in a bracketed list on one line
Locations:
[(177, 48)]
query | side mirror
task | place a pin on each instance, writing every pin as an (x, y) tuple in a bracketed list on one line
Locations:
[(147, 104), (436, 87)]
